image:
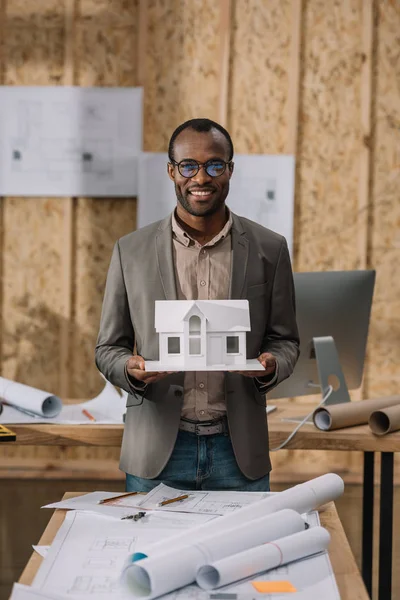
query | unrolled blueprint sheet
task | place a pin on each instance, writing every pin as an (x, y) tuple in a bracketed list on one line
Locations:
[(213, 502), (261, 189), (108, 407), (69, 141), (129, 506), (88, 553)]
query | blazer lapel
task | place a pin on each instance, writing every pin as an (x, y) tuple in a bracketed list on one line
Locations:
[(165, 259), (240, 255)]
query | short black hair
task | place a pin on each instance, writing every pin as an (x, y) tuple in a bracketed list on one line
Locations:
[(200, 125)]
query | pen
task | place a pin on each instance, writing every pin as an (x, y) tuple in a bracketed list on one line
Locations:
[(117, 497), (171, 500), (88, 415)]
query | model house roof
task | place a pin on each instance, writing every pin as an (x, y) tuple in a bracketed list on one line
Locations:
[(221, 315)]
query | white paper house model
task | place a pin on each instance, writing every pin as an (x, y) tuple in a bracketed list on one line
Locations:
[(202, 335)]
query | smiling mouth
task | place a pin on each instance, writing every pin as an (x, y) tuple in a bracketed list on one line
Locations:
[(201, 194)]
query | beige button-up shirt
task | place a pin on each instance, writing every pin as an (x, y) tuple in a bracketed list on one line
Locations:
[(202, 273)]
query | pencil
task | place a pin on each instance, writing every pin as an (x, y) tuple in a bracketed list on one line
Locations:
[(171, 500), (88, 415), (117, 497)]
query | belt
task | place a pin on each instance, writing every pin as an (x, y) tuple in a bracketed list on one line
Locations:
[(204, 427)]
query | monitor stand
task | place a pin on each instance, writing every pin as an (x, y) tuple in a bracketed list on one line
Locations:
[(329, 372)]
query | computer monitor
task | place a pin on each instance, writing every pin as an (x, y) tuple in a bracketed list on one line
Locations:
[(333, 310)]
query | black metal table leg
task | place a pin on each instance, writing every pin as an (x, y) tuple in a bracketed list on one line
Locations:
[(368, 520), (386, 527)]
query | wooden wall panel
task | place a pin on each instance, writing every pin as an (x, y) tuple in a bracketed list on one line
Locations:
[(330, 137), (106, 55), (33, 241), (260, 63), (384, 252), (32, 297), (181, 66)]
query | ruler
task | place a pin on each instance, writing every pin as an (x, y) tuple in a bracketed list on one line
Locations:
[(6, 435)]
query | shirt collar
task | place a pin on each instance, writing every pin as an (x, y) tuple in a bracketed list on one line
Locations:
[(184, 238)]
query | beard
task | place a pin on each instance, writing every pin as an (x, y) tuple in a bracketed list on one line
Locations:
[(202, 211)]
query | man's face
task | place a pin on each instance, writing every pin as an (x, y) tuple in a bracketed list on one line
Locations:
[(201, 195)]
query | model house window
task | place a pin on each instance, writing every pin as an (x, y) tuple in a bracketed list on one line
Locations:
[(194, 335), (174, 345), (232, 344)]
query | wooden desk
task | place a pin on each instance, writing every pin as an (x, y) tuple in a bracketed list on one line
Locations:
[(308, 438), (348, 577)]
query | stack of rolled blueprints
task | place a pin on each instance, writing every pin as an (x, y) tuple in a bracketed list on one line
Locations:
[(254, 539)]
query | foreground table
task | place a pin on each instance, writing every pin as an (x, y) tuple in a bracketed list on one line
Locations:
[(308, 438), (348, 578)]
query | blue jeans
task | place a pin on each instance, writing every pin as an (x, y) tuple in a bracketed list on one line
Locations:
[(204, 462)]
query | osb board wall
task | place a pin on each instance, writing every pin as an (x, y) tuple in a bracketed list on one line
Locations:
[(176, 57)]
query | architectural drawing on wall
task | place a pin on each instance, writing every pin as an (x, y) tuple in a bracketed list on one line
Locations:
[(202, 335), (69, 141), (156, 196), (261, 189)]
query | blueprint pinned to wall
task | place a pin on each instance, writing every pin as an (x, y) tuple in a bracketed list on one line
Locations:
[(261, 189), (69, 141)]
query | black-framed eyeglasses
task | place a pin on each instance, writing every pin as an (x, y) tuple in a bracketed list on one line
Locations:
[(189, 167)]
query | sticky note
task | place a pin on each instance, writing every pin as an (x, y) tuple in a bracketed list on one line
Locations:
[(273, 587)]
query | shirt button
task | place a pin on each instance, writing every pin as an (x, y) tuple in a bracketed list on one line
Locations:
[(201, 385), (202, 412), (202, 282)]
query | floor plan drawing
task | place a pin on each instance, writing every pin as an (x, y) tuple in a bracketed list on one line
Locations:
[(70, 141)]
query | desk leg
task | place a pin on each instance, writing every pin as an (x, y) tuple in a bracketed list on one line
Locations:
[(386, 527), (368, 521)]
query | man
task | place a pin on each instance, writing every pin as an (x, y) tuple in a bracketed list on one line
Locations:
[(197, 430)]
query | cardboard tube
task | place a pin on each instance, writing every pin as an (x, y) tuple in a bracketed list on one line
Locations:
[(385, 420), (348, 414)]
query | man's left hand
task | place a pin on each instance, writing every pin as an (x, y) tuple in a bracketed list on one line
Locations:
[(268, 361)]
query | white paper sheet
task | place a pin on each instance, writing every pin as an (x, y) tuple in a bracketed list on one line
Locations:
[(302, 498), (41, 550), (66, 572), (108, 407), (38, 402), (261, 558), (212, 502), (90, 503), (88, 553), (25, 592), (69, 141), (261, 189), (177, 567)]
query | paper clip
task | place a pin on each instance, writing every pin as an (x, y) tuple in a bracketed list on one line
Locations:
[(136, 517)]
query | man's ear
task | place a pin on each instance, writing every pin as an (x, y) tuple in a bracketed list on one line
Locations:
[(231, 167), (171, 171)]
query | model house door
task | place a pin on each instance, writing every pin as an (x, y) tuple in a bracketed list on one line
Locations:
[(215, 350)]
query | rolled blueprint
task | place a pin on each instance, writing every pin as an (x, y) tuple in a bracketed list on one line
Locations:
[(385, 420), (29, 399), (302, 498), (163, 573), (263, 558), (348, 414)]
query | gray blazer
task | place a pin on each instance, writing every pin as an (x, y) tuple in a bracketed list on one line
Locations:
[(142, 271)]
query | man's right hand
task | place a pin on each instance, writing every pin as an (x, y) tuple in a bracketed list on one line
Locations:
[(136, 368)]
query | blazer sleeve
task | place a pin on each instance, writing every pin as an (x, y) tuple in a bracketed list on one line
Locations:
[(116, 339), (281, 336)]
